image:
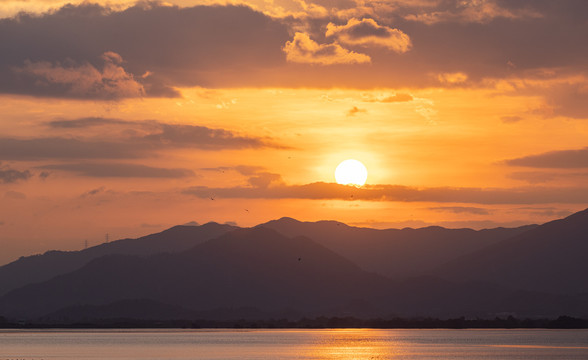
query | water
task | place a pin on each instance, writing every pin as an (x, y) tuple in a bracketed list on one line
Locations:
[(293, 344)]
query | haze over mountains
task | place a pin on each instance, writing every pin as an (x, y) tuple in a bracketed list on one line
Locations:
[(287, 268)]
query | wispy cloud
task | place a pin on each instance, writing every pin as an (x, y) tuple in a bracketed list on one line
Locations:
[(461, 210), (120, 170)]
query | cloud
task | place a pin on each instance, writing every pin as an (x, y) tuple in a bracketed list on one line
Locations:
[(82, 81), (511, 119), (302, 49), (452, 78), (93, 192), (330, 191), (472, 11), (355, 110), (367, 32), (265, 179), (203, 138), (85, 122), (78, 50), (563, 159), (538, 177), (399, 97), (9, 176), (236, 46), (461, 210), (258, 177), (568, 99), (120, 170), (66, 148), (136, 139)]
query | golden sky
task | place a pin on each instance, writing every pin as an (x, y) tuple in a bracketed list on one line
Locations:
[(127, 118)]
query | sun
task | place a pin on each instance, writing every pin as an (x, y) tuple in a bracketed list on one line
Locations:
[(351, 172)]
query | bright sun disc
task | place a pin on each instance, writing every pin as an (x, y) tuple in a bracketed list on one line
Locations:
[(351, 172)]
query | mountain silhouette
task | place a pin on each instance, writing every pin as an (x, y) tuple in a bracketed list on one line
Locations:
[(549, 258), (43, 267), (261, 269), (397, 253), (247, 267)]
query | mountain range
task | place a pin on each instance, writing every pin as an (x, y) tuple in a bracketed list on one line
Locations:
[(291, 269)]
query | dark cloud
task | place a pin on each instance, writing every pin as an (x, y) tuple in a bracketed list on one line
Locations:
[(109, 82), (564, 159), (330, 191), (93, 192), (137, 139), (461, 210), (202, 137), (9, 175), (510, 119), (91, 51), (85, 122), (148, 49), (368, 32), (44, 175), (120, 170)]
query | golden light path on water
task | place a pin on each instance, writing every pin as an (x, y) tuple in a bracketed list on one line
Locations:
[(283, 344)]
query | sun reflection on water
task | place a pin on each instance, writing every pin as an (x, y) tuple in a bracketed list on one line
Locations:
[(348, 344)]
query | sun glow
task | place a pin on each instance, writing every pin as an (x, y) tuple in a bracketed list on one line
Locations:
[(351, 172)]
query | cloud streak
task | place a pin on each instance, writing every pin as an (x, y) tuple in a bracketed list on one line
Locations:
[(120, 170), (138, 139), (399, 193), (563, 159)]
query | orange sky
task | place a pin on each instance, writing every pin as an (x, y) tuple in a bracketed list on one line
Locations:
[(127, 119)]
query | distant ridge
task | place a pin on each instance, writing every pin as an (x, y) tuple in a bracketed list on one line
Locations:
[(552, 257), (43, 267), (397, 253), (219, 272)]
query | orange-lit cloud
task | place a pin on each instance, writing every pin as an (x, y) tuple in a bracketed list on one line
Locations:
[(302, 49), (452, 78), (367, 32)]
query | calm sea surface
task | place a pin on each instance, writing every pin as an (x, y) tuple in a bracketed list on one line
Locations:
[(293, 344)]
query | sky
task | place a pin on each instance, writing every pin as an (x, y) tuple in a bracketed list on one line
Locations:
[(125, 118)]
